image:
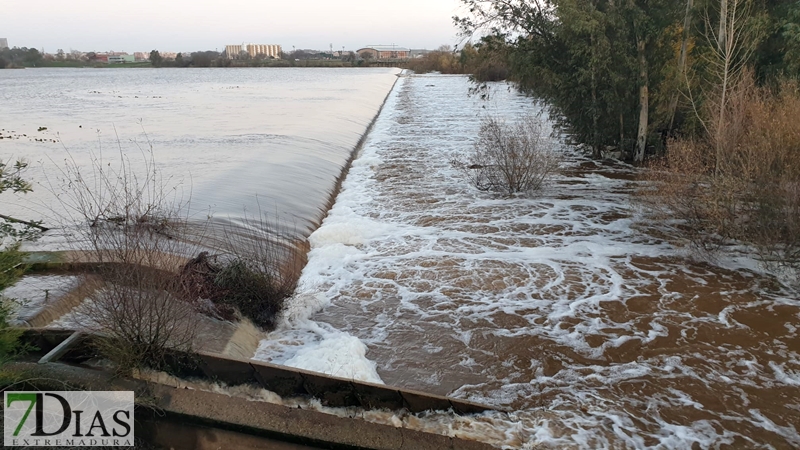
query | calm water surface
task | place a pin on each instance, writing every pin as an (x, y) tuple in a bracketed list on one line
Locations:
[(229, 139)]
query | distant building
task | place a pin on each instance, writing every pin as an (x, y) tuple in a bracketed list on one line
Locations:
[(3, 43), (253, 51), (418, 52), (141, 56), (384, 52), (121, 59)]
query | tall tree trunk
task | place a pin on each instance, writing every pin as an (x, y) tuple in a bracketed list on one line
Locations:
[(722, 35), (644, 107), (687, 23), (595, 144), (726, 41)]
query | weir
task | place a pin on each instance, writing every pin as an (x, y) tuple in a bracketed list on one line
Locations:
[(213, 399), (240, 340), (224, 363)]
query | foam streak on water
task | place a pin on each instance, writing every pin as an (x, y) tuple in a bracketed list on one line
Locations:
[(594, 329)]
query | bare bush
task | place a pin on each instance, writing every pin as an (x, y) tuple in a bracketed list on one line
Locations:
[(510, 158), (137, 319), (132, 231), (136, 234)]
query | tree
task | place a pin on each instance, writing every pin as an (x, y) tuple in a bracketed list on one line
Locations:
[(582, 58), (731, 47), (790, 34), (11, 260), (204, 59), (156, 59), (681, 68), (32, 57), (11, 180)]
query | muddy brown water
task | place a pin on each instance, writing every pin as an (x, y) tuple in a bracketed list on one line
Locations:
[(565, 306)]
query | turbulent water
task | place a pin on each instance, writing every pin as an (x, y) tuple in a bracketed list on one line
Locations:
[(562, 307), (229, 139)]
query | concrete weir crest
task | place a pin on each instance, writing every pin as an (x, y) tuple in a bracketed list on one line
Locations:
[(262, 418)]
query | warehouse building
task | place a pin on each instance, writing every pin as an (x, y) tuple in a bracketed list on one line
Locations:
[(384, 52)]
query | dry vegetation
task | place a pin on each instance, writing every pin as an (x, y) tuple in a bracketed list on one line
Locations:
[(741, 183), (257, 272), (510, 158), (138, 235)]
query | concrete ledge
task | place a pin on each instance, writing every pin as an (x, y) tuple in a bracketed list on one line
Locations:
[(310, 426), (284, 381), (377, 397), (229, 371), (335, 391), (332, 391), (419, 402), (250, 417), (44, 339)]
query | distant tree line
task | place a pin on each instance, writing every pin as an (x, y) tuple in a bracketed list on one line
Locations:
[(20, 57), (208, 58), (485, 60), (24, 57)]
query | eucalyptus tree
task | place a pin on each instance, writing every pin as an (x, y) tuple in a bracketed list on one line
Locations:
[(594, 61)]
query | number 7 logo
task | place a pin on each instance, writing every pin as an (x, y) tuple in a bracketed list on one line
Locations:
[(29, 397)]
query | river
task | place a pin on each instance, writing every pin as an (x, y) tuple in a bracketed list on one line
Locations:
[(565, 307), (229, 140)]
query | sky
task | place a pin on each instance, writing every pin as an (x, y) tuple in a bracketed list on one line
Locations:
[(191, 25)]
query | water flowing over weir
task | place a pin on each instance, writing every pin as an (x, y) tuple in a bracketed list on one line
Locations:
[(592, 327), (232, 140)]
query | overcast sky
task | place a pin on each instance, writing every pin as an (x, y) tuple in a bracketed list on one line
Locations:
[(189, 25)]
